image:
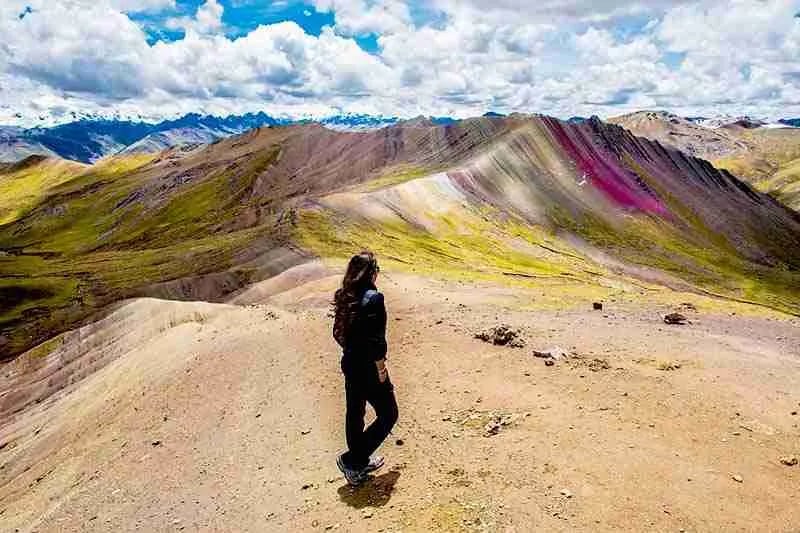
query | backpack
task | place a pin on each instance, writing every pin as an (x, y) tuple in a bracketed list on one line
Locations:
[(344, 318)]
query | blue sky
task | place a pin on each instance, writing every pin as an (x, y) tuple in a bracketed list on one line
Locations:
[(240, 17), (161, 58)]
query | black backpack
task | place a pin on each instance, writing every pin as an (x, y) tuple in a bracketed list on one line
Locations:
[(345, 318)]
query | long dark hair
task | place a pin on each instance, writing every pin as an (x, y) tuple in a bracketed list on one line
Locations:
[(357, 280)]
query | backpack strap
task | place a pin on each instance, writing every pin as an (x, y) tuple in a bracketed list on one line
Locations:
[(367, 297)]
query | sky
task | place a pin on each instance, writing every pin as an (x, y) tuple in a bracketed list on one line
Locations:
[(156, 59)]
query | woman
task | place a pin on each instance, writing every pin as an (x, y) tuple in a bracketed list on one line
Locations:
[(360, 329)]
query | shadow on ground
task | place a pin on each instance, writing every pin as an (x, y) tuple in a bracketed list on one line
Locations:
[(375, 492)]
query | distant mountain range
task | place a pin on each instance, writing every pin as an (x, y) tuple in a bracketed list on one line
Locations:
[(88, 140), (766, 154)]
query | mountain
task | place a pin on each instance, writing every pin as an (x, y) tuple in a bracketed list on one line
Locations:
[(89, 140), (694, 137), (759, 152), (15, 146), (793, 122), (586, 207), (729, 122), (356, 122), (178, 137)]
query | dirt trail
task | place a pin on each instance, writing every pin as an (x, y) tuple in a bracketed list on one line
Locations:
[(230, 418)]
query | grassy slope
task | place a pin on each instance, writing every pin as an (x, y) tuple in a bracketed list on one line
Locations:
[(773, 166), (95, 241), (24, 184), (489, 250)]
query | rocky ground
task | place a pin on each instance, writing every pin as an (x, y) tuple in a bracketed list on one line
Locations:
[(229, 417)]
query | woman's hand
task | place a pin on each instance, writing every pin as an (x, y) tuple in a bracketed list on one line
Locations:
[(383, 373)]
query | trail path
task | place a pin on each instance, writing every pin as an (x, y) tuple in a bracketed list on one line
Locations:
[(228, 418)]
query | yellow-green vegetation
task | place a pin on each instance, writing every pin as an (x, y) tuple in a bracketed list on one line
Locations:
[(711, 266), (113, 231), (394, 176), (23, 185), (482, 249), (485, 245), (773, 166), (784, 184)]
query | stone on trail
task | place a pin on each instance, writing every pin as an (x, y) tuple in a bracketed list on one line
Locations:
[(502, 335), (554, 354), (492, 428), (597, 306), (789, 460), (737, 478), (675, 319)]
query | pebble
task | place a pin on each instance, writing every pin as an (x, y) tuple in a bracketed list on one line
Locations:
[(789, 460), (566, 493), (737, 478), (399, 442), (367, 514)]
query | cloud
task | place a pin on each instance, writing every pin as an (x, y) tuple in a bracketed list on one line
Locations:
[(362, 17), (141, 6), (453, 57), (208, 19)]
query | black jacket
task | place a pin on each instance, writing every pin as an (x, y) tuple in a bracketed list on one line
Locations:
[(366, 339)]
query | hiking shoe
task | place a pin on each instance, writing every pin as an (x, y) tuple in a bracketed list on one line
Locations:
[(374, 464), (353, 477)]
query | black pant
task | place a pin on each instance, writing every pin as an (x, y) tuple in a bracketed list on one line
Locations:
[(359, 390)]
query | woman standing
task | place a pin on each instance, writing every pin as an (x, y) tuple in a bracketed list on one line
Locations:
[(360, 329)]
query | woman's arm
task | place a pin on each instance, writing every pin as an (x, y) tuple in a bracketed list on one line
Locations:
[(375, 333), (383, 372)]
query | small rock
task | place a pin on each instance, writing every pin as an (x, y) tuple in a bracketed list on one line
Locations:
[(552, 353), (506, 420), (156, 443), (305, 432), (367, 514), (737, 478), (596, 365), (597, 306), (307, 486), (566, 493), (549, 362), (502, 335), (790, 460), (675, 319), (399, 442), (492, 428)]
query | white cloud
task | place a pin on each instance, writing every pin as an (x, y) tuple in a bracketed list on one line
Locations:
[(360, 17), (573, 58), (208, 19), (141, 6)]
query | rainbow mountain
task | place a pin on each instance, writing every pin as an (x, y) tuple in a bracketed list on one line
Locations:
[(583, 209)]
